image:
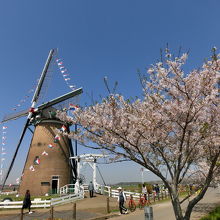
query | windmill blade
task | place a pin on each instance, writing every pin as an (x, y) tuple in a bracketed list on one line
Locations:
[(37, 91), (61, 99), (16, 151), (30, 113), (14, 116), (42, 78)]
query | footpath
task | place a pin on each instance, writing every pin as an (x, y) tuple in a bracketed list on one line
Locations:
[(86, 209), (95, 209), (164, 210)]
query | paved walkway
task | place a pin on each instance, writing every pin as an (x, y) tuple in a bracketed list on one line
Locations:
[(88, 208), (164, 211), (95, 208)]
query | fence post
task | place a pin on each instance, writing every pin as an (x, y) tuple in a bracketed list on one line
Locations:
[(22, 214), (108, 207), (74, 211), (51, 212), (109, 191)]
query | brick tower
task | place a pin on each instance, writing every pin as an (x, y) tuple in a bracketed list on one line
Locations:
[(47, 166)]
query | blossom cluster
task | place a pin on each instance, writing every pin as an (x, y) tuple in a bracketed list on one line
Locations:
[(176, 124)]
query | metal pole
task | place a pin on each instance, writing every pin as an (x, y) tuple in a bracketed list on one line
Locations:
[(76, 153), (51, 212), (142, 176), (22, 214), (108, 207), (74, 211), (148, 213), (76, 141)]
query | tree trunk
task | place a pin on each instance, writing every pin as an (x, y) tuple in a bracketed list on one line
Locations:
[(176, 203)]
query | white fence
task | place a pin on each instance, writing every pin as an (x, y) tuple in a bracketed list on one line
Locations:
[(153, 196), (66, 199), (38, 203), (18, 204), (70, 188)]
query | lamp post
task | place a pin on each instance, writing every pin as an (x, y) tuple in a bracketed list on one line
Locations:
[(142, 174)]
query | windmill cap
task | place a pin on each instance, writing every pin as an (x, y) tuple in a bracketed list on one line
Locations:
[(119, 188)]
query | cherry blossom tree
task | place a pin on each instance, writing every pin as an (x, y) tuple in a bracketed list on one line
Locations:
[(175, 126)]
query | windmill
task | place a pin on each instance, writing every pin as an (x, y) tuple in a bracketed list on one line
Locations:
[(45, 172)]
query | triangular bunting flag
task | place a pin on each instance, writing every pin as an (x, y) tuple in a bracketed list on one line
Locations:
[(73, 107), (63, 129), (44, 153), (31, 168), (56, 138), (50, 145), (37, 160), (17, 180)]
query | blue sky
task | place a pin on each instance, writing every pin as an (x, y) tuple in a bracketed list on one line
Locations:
[(96, 38)]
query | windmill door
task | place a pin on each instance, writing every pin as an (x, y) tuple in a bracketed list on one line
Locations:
[(55, 184)]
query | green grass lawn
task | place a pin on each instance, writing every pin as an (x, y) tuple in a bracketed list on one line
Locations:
[(214, 215), (20, 198)]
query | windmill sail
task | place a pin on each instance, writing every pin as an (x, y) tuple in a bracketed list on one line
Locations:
[(60, 99), (16, 151), (15, 116), (34, 101), (55, 169), (42, 78)]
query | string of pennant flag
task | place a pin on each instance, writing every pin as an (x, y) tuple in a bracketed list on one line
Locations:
[(4, 130), (26, 97), (37, 159), (65, 74), (3, 150), (72, 107)]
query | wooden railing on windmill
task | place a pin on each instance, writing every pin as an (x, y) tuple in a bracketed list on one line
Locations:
[(41, 117)]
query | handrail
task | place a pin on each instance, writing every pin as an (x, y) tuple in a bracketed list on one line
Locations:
[(43, 203), (18, 204)]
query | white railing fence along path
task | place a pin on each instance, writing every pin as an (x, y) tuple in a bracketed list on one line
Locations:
[(38, 203), (70, 196), (66, 199), (18, 204), (136, 196)]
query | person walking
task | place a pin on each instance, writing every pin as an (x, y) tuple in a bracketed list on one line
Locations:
[(157, 190), (27, 201), (144, 191), (121, 201), (91, 189)]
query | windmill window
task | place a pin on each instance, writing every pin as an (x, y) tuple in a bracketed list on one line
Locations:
[(45, 183)]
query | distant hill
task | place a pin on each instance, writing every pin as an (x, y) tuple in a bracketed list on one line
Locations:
[(136, 183)]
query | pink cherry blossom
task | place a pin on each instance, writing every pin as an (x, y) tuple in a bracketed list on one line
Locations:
[(175, 126)]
